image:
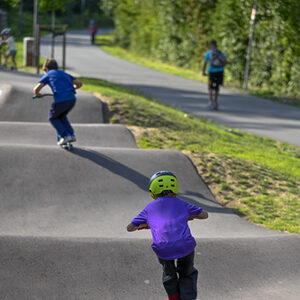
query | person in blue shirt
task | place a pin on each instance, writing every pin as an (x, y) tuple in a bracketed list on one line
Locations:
[(217, 61), (63, 87), (167, 217)]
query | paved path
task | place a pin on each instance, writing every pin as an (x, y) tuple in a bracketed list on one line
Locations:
[(249, 113), (63, 215)]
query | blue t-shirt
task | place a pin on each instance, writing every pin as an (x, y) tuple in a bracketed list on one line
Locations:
[(61, 85), (212, 69), (168, 218)]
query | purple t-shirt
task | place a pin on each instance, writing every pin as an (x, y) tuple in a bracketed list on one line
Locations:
[(168, 218)]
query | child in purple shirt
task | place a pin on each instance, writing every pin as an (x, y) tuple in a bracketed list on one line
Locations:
[(167, 217)]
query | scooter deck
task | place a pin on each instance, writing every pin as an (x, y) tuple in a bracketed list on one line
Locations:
[(67, 146)]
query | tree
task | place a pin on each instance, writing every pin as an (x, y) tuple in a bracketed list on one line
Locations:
[(50, 5), (13, 3)]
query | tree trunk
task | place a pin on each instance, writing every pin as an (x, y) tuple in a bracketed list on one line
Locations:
[(21, 18), (82, 12)]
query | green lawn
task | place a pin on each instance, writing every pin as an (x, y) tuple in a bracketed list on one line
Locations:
[(257, 177), (106, 43)]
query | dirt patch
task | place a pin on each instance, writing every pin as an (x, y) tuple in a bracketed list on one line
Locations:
[(138, 132)]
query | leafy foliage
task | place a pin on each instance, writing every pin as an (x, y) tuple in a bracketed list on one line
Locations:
[(178, 31), (47, 5)]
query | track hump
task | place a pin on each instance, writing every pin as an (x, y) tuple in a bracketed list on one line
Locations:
[(42, 134), (63, 215)]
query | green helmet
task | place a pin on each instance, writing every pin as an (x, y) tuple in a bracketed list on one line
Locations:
[(162, 181)]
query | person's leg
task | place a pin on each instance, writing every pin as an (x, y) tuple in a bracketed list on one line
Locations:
[(63, 118), (188, 276), (213, 89), (13, 58), (60, 128), (216, 97), (210, 95), (5, 59), (219, 82), (170, 279), (210, 90), (68, 127), (54, 117)]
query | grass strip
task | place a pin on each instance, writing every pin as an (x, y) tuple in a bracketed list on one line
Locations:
[(257, 177), (106, 43)]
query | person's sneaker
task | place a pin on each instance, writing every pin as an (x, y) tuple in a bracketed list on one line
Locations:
[(73, 139), (216, 106), (64, 140), (60, 142), (210, 105)]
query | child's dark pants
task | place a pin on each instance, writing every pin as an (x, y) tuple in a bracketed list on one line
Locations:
[(183, 286), (58, 117)]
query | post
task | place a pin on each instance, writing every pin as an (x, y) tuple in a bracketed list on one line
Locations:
[(37, 49), (53, 33), (247, 68), (35, 22)]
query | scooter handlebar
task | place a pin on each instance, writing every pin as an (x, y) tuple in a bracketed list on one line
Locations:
[(43, 95)]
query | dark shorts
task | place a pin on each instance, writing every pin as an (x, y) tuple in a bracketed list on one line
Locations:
[(12, 53), (215, 80), (180, 278)]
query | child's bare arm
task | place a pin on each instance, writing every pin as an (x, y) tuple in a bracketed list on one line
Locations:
[(37, 89), (77, 84), (202, 215)]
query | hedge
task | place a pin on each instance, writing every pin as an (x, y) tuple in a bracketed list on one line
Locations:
[(178, 32)]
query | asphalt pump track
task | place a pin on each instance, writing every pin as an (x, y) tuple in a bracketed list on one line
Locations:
[(63, 215)]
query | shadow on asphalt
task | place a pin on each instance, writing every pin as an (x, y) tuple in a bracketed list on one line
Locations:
[(113, 166), (217, 208), (141, 180)]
